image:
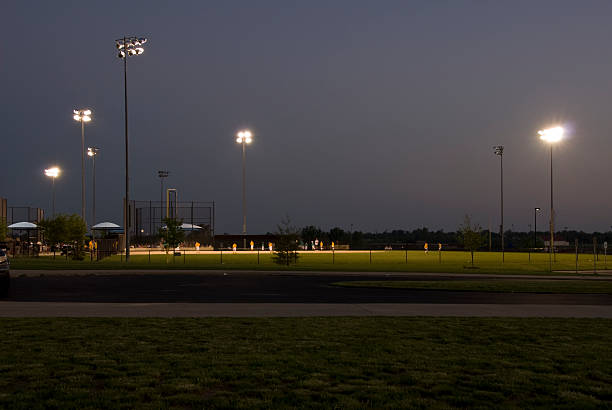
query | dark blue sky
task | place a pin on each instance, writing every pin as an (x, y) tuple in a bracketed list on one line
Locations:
[(378, 114)]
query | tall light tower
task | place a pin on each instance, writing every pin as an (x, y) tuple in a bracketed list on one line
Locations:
[(53, 173), (551, 136), (499, 151), (162, 174), (128, 46), (82, 116), (92, 152), (244, 137)]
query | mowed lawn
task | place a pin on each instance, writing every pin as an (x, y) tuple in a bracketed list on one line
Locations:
[(305, 363), (391, 261)]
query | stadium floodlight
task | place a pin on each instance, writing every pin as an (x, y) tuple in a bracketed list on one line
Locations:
[(244, 137), (82, 116), (52, 173), (551, 136), (128, 46), (554, 134)]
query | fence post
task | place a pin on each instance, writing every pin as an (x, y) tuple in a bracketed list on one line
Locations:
[(594, 255), (576, 244), (333, 256), (258, 256), (221, 256), (370, 256)]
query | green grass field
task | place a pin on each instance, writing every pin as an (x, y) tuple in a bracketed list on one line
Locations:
[(495, 285), (391, 261), (305, 363)]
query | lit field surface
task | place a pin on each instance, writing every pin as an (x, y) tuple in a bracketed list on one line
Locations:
[(377, 362), (381, 261)]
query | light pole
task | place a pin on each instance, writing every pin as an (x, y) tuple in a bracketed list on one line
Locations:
[(82, 116), (499, 151), (162, 175), (535, 226), (244, 137), (92, 152), (128, 47), (551, 135), (53, 173)]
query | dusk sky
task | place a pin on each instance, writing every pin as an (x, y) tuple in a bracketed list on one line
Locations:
[(379, 114)]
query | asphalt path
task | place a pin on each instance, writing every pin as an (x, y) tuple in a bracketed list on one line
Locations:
[(259, 287)]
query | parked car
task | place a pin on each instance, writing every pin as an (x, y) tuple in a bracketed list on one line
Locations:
[(5, 277)]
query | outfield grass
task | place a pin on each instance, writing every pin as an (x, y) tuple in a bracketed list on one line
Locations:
[(492, 285), (391, 261), (305, 363)]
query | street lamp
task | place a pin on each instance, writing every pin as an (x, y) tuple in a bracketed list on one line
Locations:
[(535, 226), (128, 47), (499, 151), (82, 116), (551, 135), (162, 175), (53, 173), (244, 137), (92, 152)]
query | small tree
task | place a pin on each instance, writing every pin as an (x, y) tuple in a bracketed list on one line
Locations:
[(75, 230), (470, 236), (172, 235), (286, 247), (54, 231)]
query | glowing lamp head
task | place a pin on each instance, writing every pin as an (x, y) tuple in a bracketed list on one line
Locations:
[(52, 172), (244, 136), (82, 115), (552, 134), (92, 151)]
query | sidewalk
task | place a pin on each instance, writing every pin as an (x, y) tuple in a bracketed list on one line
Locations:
[(63, 309)]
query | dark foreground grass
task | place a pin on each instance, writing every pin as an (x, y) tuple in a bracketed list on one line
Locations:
[(492, 285), (305, 363)]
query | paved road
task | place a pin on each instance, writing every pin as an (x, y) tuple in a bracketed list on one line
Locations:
[(257, 287), (72, 309)]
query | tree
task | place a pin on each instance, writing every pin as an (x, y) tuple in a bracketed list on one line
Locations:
[(65, 229), (286, 246), (75, 234), (470, 236), (336, 235), (172, 235), (310, 233)]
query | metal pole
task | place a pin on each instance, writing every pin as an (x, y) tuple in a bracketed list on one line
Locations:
[(501, 161), (93, 221), (127, 163), (83, 170), (244, 193), (161, 201), (576, 245), (535, 227), (52, 196), (552, 213), (594, 255)]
